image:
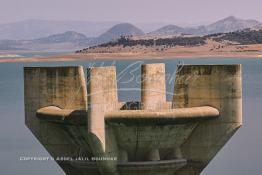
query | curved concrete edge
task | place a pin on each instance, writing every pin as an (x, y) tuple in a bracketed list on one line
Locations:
[(152, 163), (204, 112), (53, 113), (93, 164), (65, 116), (167, 167)]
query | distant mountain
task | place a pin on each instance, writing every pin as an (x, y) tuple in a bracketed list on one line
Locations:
[(168, 30), (32, 29), (176, 30), (70, 40), (69, 36), (199, 30), (64, 41), (256, 27), (123, 29), (228, 24), (35, 28)]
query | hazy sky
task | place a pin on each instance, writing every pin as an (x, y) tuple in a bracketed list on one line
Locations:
[(171, 11)]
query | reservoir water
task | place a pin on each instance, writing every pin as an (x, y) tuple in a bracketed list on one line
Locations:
[(241, 155)]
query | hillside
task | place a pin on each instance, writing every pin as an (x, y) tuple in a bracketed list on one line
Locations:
[(73, 39), (69, 36), (245, 37), (33, 28), (171, 42), (123, 29), (218, 42), (168, 30), (229, 24), (64, 41)]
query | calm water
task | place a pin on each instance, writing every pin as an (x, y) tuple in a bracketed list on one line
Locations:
[(242, 155), (38, 54)]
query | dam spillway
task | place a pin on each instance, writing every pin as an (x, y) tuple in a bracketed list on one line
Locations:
[(77, 115)]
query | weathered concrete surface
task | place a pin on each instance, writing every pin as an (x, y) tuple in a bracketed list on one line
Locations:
[(153, 86), (219, 86), (151, 137), (102, 98), (163, 167), (171, 114), (53, 113), (64, 87)]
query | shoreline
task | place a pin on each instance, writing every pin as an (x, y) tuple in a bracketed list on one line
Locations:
[(125, 56)]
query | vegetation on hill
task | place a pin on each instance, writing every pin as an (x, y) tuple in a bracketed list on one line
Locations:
[(241, 37), (177, 41), (244, 37)]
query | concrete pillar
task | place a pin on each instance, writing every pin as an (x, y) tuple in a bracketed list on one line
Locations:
[(178, 153), (153, 155), (102, 97), (153, 86), (122, 156), (175, 154)]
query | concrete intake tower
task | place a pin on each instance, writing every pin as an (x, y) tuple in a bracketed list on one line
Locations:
[(81, 123)]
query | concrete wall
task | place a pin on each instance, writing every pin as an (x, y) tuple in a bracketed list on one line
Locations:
[(64, 87), (218, 86)]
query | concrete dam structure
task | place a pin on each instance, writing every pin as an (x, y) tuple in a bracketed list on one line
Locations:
[(78, 118)]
